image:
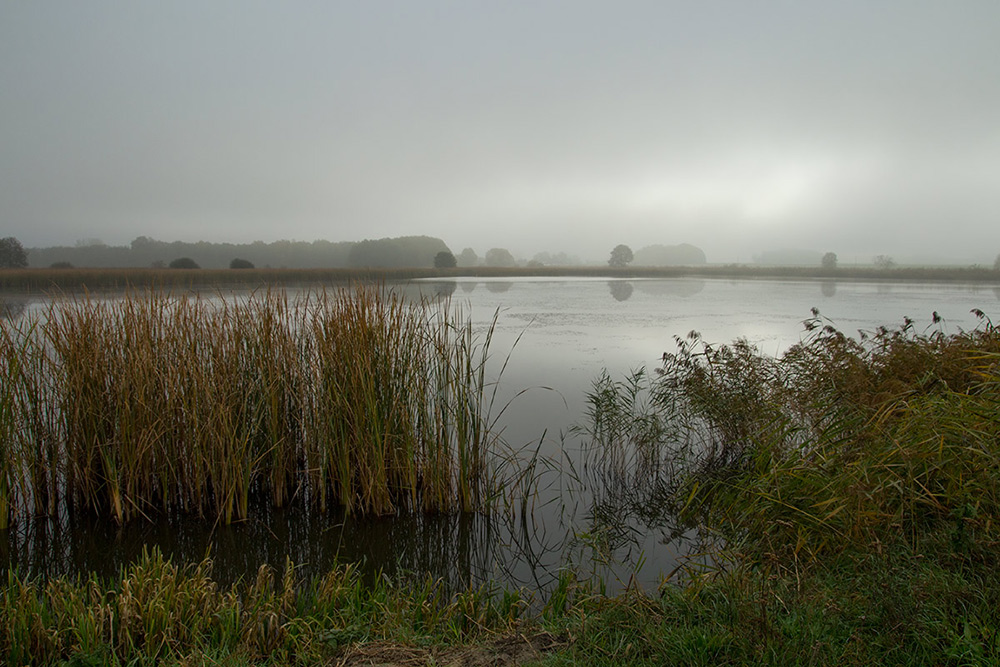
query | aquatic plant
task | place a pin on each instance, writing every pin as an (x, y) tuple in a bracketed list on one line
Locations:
[(155, 403)]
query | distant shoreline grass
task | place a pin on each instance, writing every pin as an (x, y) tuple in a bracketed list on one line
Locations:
[(75, 279)]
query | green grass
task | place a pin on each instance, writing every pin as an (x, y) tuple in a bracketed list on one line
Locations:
[(155, 612)]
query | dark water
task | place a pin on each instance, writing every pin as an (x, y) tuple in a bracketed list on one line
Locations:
[(553, 339)]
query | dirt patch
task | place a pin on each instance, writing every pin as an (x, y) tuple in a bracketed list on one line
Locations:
[(505, 650)]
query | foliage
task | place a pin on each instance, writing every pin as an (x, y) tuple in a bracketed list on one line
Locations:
[(444, 260), (145, 251), (468, 257), (884, 262), (239, 263), (829, 260), (184, 263), (499, 257), (621, 255), (853, 485), (12, 254), (156, 612), (404, 251)]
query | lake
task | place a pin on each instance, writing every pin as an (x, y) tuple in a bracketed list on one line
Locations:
[(553, 338)]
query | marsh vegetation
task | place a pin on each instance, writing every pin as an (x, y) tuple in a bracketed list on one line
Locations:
[(151, 405), (846, 490)]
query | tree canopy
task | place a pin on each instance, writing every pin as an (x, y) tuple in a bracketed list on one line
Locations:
[(468, 257), (500, 257), (621, 256), (184, 263), (444, 260), (829, 260), (12, 254)]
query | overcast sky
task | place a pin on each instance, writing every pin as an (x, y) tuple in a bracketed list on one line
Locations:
[(862, 127)]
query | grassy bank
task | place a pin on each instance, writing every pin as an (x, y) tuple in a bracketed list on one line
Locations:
[(853, 484), (70, 280), (148, 405)]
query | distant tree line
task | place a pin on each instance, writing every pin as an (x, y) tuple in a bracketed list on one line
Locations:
[(399, 252)]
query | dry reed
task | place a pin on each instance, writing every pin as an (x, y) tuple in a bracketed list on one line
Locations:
[(155, 404)]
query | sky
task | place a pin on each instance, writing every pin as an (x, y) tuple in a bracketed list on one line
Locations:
[(860, 127)]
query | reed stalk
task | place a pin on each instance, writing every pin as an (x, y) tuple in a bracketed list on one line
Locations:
[(157, 403)]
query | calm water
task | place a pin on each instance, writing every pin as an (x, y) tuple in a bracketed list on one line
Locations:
[(555, 337)]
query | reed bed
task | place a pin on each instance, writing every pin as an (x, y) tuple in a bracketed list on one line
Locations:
[(47, 279), (153, 404)]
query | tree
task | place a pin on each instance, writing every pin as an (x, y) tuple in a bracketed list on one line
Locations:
[(468, 257), (239, 263), (184, 263), (620, 256), (884, 262), (996, 264), (500, 257), (12, 254), (829, 260), (444, 260)]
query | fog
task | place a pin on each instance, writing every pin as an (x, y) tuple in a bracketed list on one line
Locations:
[(855, 127)]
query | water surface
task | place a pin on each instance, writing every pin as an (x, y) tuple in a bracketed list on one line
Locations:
[(553, 338)]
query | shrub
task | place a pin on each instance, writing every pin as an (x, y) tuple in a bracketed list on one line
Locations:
[(184, 263)]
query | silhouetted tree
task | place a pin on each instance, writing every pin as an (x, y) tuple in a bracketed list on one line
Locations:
[(500, 257), (444, 260), (12, 254), (884, 262), (238, 263), (996, 264), (468, 257), (184, 263), (829, 260), (620, 256)]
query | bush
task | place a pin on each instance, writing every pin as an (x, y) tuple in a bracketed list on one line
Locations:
[(184, 263), (241, 264)]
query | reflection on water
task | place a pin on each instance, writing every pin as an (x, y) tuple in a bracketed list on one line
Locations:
[(828, 288), (498, 287), (12, 306), (621, 290), (684, 287)]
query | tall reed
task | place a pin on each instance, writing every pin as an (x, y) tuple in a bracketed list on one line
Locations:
[(155, 403)]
